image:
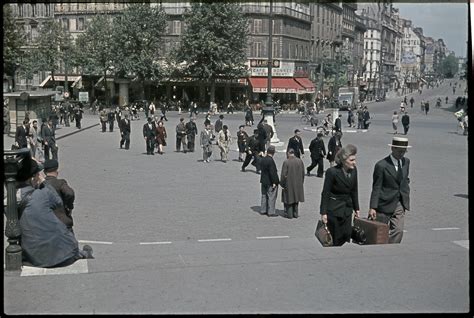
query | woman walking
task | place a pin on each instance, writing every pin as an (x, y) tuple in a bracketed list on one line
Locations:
[(339, 198)]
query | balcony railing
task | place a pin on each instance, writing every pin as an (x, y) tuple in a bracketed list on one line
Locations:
[(278, 10)]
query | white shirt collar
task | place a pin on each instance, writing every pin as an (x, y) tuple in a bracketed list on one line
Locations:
[(395, 162)]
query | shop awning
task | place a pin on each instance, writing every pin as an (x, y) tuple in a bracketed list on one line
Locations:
[(61, 78), (279, 85), (307, 84)]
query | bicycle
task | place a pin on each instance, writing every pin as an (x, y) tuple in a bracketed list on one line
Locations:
[(325, 130)]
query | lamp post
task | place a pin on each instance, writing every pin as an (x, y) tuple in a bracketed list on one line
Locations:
[(12, 160), (338, 60), (268, 110), (65, 58)]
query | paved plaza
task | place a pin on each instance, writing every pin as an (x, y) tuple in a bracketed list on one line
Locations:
[(172, 234)]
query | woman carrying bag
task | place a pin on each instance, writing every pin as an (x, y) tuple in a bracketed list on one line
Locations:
[(339, 198)]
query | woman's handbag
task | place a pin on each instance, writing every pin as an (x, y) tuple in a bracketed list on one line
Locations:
[(323, 235)]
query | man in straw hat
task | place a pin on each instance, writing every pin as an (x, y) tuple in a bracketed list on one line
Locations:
[(390, 196)]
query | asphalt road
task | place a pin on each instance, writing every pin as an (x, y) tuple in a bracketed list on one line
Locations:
[(172, 234)]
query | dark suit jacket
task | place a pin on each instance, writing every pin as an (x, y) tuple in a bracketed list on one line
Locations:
[(67, 195), (20, 136), (269, 173), (48, 135), (340, 194), (338, 124), (149, 133), (386, 191), (296, 144), (317, 148), (124, 126)]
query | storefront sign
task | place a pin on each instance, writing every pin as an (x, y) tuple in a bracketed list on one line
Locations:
[(285, 69), (84, 97)]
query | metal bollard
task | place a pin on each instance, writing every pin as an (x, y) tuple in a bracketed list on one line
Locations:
[(13, 252)]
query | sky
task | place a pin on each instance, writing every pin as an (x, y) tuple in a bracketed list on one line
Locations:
[(440, 20)]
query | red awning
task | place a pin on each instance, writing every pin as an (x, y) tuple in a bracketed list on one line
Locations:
[(279, 85), (307, 84)]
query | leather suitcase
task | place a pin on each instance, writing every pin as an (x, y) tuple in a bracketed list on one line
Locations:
[(376, 232)]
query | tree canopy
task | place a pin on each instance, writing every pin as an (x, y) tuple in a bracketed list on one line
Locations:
[(449, 66), (214, 42), (13, 39), (54, 44)]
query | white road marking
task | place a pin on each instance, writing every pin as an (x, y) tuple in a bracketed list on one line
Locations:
[(444, 228), (270, 237), (94, 242), (78, 267), (464, 243), (154, 243), (215, 240)]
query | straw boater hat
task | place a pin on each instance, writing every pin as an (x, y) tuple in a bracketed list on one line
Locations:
[(400, 142)]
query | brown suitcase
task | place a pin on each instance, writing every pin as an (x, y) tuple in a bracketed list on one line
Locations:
[(376, 232)]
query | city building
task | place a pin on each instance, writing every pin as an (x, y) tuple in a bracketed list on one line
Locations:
[(412, 55), (382, 46)]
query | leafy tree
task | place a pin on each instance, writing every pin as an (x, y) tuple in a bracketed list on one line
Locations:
[(94, 49), (214, 43), (54, 44), (13, 39), (449, 66), (138, 31)]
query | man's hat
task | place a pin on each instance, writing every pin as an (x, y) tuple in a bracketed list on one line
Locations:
[(50, 165), (400, 142), (28, 169), (297, 131)]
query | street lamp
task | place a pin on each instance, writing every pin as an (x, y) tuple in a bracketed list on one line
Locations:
[(65, 49), (268, 110), (12, 162), (337, 49)]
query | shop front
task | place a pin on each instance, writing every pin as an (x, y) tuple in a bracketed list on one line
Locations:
[(31, 104)]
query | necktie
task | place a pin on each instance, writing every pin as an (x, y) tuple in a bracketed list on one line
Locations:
[(399, 172)]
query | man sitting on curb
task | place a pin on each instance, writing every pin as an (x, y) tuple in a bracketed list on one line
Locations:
[(63, 189), (45, 240)]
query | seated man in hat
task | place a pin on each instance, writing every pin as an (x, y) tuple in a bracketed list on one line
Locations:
[(64, 213), (45, 240), (390, 196)]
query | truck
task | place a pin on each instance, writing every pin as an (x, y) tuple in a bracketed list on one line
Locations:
[(348, 97)]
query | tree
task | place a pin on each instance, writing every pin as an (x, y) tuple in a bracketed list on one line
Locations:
[(54, 45), (139, 33), (95, 49), (449, 66), (13, 39), (214, 43)]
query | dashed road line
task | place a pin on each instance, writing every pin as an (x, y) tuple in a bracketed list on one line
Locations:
[(94, 242), (444, 228), (155, 243), (215, 240), (270, 237)]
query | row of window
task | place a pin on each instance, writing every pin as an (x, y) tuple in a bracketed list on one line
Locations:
[(33, 10), (288, 50)]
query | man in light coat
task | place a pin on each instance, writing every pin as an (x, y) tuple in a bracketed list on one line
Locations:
[(224, 140), (291, 181)]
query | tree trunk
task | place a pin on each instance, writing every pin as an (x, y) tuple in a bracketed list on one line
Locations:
[(213, 90), (105, 89)]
